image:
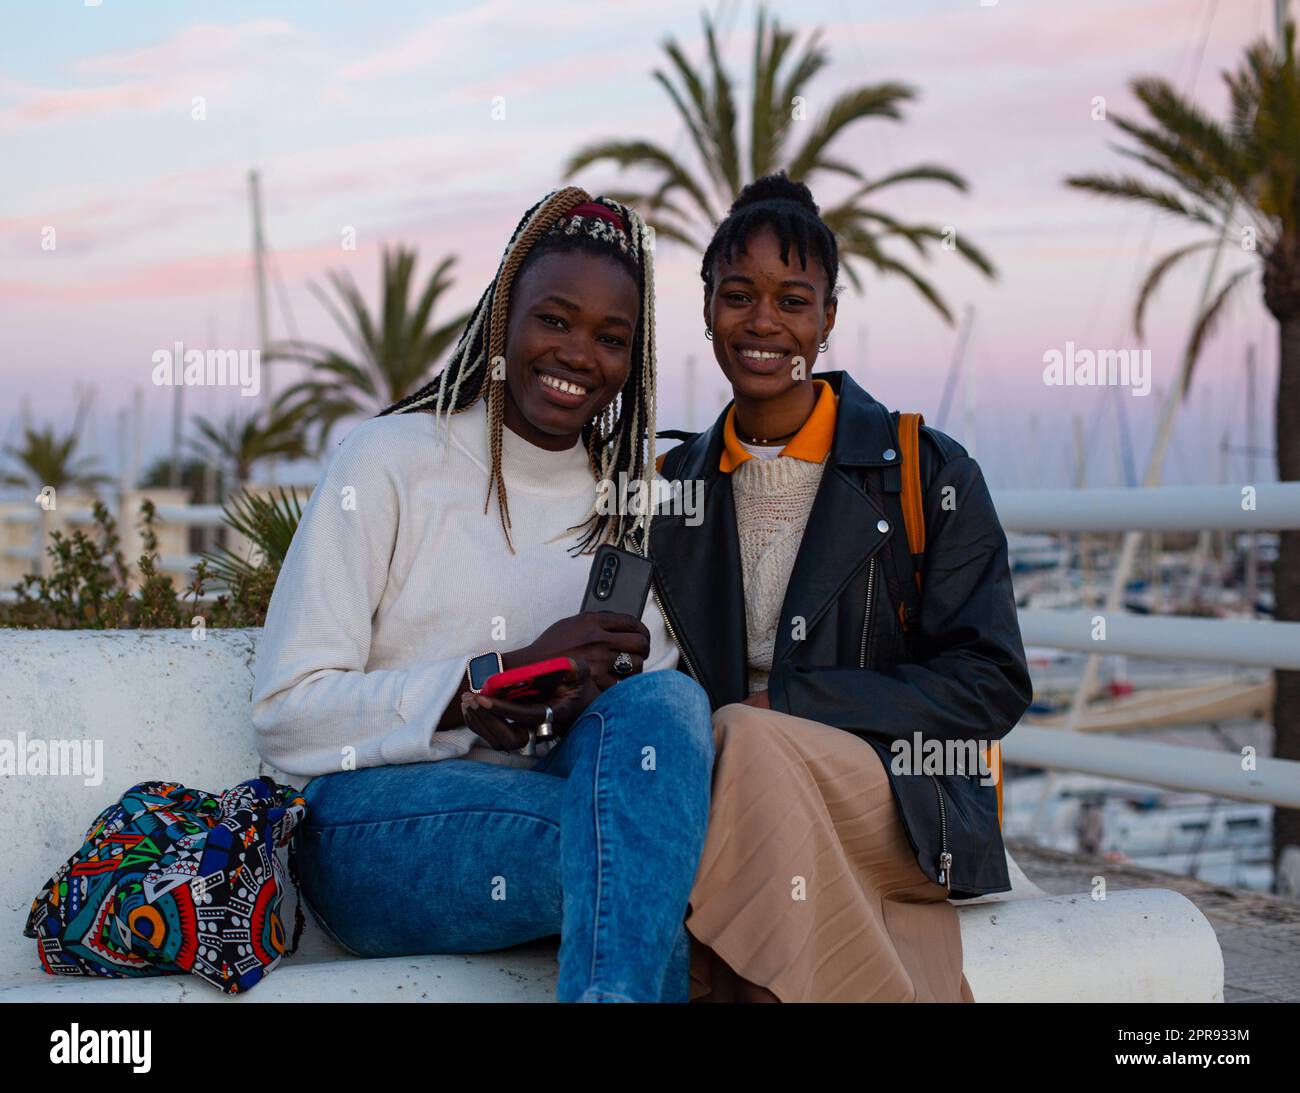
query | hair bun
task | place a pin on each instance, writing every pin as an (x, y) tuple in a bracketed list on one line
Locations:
[(777, 187)]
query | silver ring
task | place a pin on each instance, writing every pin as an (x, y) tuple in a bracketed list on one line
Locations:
[(623, 665), (542, 738)]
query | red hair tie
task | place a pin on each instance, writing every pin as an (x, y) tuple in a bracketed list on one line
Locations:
[(595, 208)]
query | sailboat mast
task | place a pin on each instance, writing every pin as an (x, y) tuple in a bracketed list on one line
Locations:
[(174, 471), (690, 392), (259, 277), (1252, 539), (954, 367)]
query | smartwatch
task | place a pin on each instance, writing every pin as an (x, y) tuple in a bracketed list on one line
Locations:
[(481, 667)]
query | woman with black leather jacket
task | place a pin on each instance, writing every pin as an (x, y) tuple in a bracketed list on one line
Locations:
[(853, 718)]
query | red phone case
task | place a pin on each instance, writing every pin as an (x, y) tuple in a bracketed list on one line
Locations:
[(528, 681)]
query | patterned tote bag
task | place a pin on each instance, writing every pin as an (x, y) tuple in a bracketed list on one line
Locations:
[(173, 881)]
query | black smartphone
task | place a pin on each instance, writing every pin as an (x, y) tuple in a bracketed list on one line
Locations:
[(619, 581)]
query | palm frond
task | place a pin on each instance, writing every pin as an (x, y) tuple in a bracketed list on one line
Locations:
[(1204, 140), (1134, 189), (1176, 162), (1208, 321), (877, 101), (722, 115), (926, 172), (696, 114), (268, 523), (637, 153), (1156, 275), (768, 115), (811, 61), (865, 245)]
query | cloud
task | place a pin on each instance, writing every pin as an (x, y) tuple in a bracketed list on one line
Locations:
[(148, 97), (566, 73), (202, 44), (441, 37), (157, 280), (155, 79), (477, 30)]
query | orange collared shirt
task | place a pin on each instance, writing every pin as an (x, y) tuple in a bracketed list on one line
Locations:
[(812, 442)]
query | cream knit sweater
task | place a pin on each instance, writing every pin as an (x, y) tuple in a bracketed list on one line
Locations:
[(396, 577), (772, 497)]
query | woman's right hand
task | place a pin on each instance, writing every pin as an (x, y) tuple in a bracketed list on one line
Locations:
[(596, 637)]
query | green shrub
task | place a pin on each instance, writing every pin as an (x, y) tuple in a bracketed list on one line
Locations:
[(88, 586)]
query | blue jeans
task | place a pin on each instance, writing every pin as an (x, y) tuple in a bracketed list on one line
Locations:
[(599, 843)]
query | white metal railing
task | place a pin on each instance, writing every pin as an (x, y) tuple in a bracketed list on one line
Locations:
[(195, 516), (1267, 507), (1209, 641), (198, 516), (81, 513), (1270, 507), (1198, 770)]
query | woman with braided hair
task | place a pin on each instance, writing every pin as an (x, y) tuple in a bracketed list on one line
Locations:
[(433, 827)]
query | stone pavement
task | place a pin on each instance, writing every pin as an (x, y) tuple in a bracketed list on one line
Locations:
[(1258, 933)]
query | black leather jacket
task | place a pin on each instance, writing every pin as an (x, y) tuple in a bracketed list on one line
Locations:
[(961, 673)]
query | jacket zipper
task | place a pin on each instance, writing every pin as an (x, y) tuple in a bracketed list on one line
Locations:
[(690, 669), (945, 857), (866, 617), (668, 625)]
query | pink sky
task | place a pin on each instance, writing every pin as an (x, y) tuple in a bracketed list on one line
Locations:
[(382, 124)]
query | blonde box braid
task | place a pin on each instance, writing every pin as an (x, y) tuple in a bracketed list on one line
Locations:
[(614, 438)]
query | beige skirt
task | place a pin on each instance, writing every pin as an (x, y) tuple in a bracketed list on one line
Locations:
[(808, 885)]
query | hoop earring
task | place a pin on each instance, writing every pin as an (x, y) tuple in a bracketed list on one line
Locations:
[(823, 347), (708, 332)]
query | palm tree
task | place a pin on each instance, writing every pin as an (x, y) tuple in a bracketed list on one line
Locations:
[(203, 483), (239, 443), (45, 459), (390, 355), (193, 476), (267, 523), (1250, 163), (686, 206)]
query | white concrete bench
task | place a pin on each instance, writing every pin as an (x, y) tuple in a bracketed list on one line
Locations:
[(167, 706)]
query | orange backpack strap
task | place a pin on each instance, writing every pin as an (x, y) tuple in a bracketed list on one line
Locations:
[(995, 769), (909, 443), (909, 500)]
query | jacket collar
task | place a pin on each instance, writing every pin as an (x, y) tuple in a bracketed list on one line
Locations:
[(862, 433), (707, 603), (811, 443)]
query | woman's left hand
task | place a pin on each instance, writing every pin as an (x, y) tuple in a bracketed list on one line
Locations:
[(505, 724), (759, 699)]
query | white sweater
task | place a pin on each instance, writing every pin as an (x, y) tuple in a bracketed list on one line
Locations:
[(396, 577), (773, 496)]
